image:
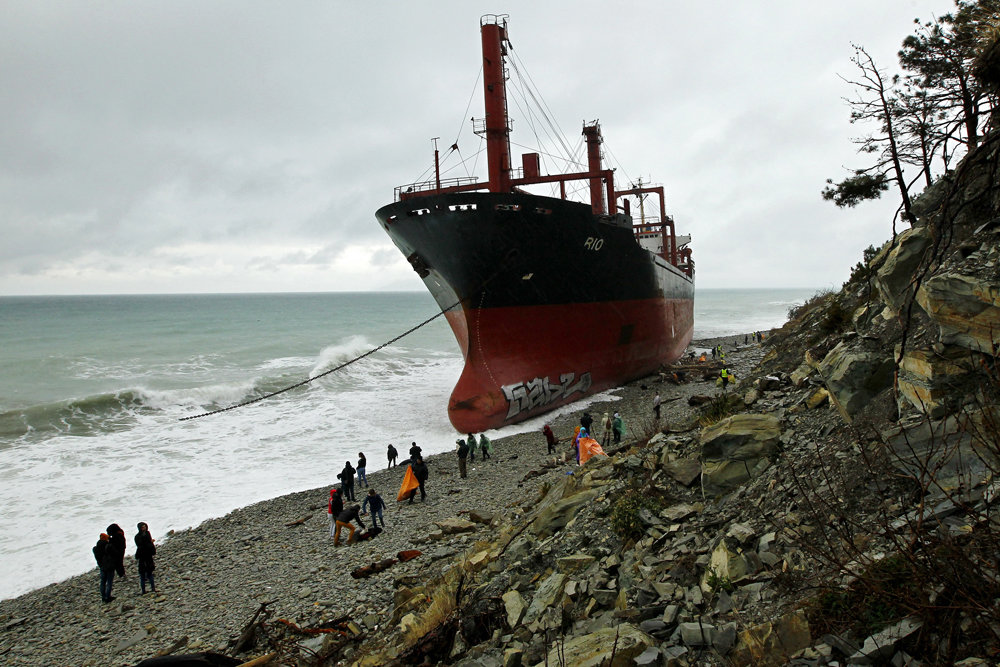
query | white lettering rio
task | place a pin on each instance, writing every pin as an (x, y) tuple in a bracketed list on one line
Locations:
[(593, 243)]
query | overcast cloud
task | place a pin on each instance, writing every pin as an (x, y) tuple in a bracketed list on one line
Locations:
[(244, 146)]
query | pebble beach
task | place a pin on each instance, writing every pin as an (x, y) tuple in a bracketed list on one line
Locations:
[(212, 578)]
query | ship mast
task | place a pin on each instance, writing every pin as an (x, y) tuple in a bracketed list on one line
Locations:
[(493, 29)]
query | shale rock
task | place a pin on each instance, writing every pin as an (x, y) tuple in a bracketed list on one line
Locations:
[(626, 641), (737, 449), (965, 308)]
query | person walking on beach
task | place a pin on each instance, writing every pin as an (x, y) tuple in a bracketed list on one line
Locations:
[(145, 549), (391, 454), (347, 481), (607, 425), (106, 566), (463, 454), (117, 547), (352, 513), (586, 420), (618, 427), (485, 446), (473, 445), (724, 376), (550, 439), (362, 464), (374, 503), (334, 508), (420, 472), (656, 405), (414, 452)]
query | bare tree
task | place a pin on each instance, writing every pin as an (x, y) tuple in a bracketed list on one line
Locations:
[(875, 101)]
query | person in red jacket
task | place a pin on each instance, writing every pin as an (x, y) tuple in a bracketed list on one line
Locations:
[(550, 438)]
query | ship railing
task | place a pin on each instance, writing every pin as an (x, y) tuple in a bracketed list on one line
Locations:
[(411, 189)]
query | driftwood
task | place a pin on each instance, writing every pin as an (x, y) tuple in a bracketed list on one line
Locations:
[(262, 660), (299, 522), (374, 568), (248, 636), (173, 648)]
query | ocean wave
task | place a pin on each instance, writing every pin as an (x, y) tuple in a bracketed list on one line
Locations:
[(334, 355)]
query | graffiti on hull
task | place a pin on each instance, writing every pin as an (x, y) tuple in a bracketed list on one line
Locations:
[(525, 396)]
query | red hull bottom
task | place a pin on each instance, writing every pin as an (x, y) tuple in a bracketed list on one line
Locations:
[(522, 362)]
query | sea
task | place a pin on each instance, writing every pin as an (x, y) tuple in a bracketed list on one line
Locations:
[(94, 392)]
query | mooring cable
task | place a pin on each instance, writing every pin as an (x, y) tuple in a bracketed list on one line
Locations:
[(325, 373)]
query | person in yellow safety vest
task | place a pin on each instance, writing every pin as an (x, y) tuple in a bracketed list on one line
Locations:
[(724, 374)]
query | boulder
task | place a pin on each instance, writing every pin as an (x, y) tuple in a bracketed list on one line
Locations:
[(930, 381), (515, 606), (894, 277), (737, 449), (726, 565), (555, 516), (854, 374), (684, 471), (772, 644), (549, 593), (881, 646), (818, 398), (965, 308), (574, 563), (615, 647), (799, 375)]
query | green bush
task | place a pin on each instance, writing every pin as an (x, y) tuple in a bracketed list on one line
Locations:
[(625, 519)]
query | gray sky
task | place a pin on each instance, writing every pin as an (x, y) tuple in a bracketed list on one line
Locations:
[(244, 146)]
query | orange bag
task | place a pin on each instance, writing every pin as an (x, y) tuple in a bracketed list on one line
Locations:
[(589, 447), (409, 484)]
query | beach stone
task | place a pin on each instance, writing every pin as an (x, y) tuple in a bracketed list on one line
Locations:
[(595, 649), (455, 525)]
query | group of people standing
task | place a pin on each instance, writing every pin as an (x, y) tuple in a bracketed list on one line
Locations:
[(466, 451), (109, 552), (344, 516)]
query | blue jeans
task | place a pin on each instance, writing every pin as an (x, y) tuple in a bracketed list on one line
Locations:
[(145, 577), (362, 477), (107, 579), (378, 513)]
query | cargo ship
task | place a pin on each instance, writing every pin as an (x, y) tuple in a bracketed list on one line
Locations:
[(550, 299)]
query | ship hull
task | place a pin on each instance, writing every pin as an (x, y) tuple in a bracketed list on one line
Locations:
[(548, 302)]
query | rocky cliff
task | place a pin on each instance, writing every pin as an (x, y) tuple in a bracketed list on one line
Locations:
[(838, 508)]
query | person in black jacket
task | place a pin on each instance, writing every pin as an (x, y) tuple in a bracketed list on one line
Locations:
[(414, 452), (106, 566), (362, 464), (420, 472), (373, 503), (347, 481), (334, 508), (144, 552), (352, 513), (391, 454), (117, 547), (463, 454)]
